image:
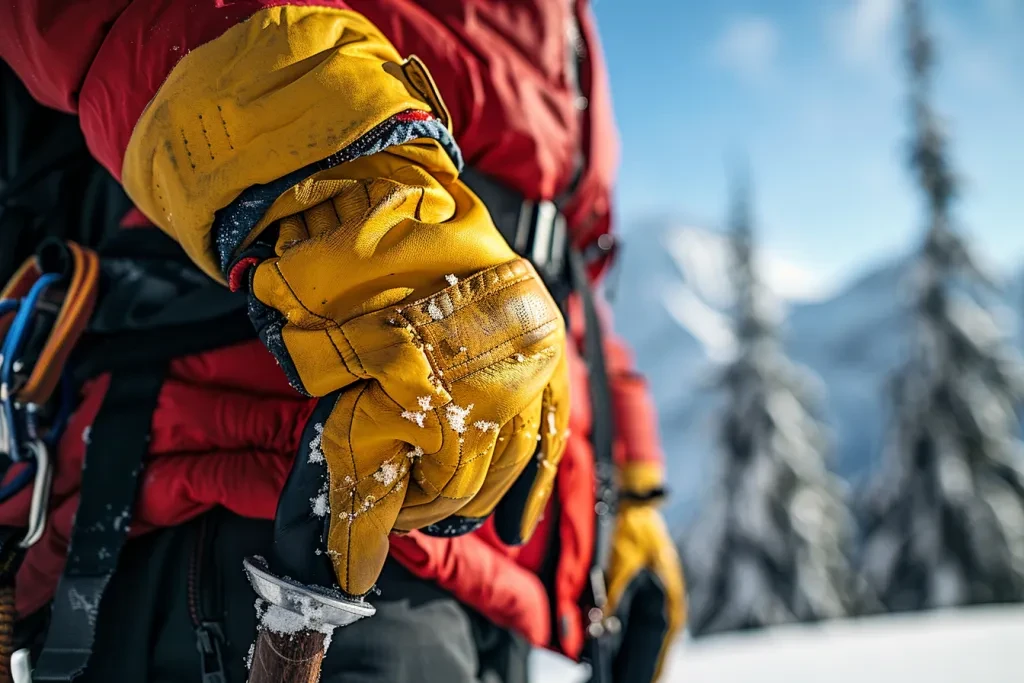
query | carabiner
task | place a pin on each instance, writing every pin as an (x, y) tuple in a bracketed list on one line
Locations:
[(7, 444), (40, 493)]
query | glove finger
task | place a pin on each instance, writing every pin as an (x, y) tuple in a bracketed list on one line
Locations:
[(515, 444), (646, 630), (368, 485), (291, 231), (445, 482), (520, 510)]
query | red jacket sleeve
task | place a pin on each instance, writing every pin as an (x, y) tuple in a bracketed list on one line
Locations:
[(105, 59), (636, 418)]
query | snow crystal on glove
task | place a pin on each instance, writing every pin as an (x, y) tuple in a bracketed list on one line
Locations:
[(316, 453), (457, 417)]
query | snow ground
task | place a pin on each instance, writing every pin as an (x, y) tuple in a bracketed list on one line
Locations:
[(956, 646)]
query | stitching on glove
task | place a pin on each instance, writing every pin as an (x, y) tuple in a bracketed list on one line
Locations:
[(458, 365), (220, 112), (431, 361), (499, 468), (419, 204), (507, 358), (467, 301), (284, 280), (462, 442), (206, 136), (184, 140), (341, 356), (473, 459), (356, 482), (362, 369), (368, 503), (351, 420)]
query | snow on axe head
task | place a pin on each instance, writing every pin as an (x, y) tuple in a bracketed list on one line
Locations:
[(296, 624)]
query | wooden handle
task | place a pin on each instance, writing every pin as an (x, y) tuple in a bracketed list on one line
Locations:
[(287, 657), (6, 630)]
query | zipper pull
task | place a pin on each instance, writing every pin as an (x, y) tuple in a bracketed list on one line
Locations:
[(209, 639)]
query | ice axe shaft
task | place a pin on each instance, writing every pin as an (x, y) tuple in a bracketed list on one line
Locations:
[(287, 658), (284, 653)]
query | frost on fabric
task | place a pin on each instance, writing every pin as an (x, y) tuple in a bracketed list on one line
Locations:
[(520, 358), (434, 311), (387, 473), (415, 416), (457, 417), (425, 402), (88, 604), (451, 280), (285, 622), (248, 656), (320, 505), (122, 520), (415, 453), (87, 434), (485, 426), (316, 453), (552, 429)]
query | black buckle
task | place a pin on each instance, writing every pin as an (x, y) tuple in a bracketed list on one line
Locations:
[(542, 236)]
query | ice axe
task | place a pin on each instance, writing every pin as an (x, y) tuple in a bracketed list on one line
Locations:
[(299, 609), (295, 626)]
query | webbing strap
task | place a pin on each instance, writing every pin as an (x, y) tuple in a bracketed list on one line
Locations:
[(118, 442), (602, 429)]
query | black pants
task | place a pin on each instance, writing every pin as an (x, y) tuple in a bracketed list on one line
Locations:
[(172, 584)]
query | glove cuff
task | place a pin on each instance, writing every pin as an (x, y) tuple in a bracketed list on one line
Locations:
[(641, 481), (268, 103)]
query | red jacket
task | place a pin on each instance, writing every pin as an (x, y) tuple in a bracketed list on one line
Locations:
[(227, 424)]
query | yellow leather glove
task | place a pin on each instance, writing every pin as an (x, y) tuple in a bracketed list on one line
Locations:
[(297, 155), (442, 352), (645, 588)]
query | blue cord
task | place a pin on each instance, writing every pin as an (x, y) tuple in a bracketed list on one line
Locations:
[(12, 346), (15, 335), (19, 482)]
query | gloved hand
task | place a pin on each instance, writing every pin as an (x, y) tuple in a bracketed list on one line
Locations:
[(645, 583), (299, 157), (439, 354)]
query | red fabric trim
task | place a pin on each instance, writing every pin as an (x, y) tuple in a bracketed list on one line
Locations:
[(237, 275), (414, 115)]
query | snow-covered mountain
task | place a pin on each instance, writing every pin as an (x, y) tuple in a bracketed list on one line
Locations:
[(670, 296)]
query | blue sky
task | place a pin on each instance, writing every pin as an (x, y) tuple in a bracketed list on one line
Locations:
[(811, 92)]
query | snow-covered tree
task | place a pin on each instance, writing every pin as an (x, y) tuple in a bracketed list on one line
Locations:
[(944, 522), (769, 547)]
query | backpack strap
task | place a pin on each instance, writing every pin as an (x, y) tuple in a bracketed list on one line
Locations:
[(119, 440)]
